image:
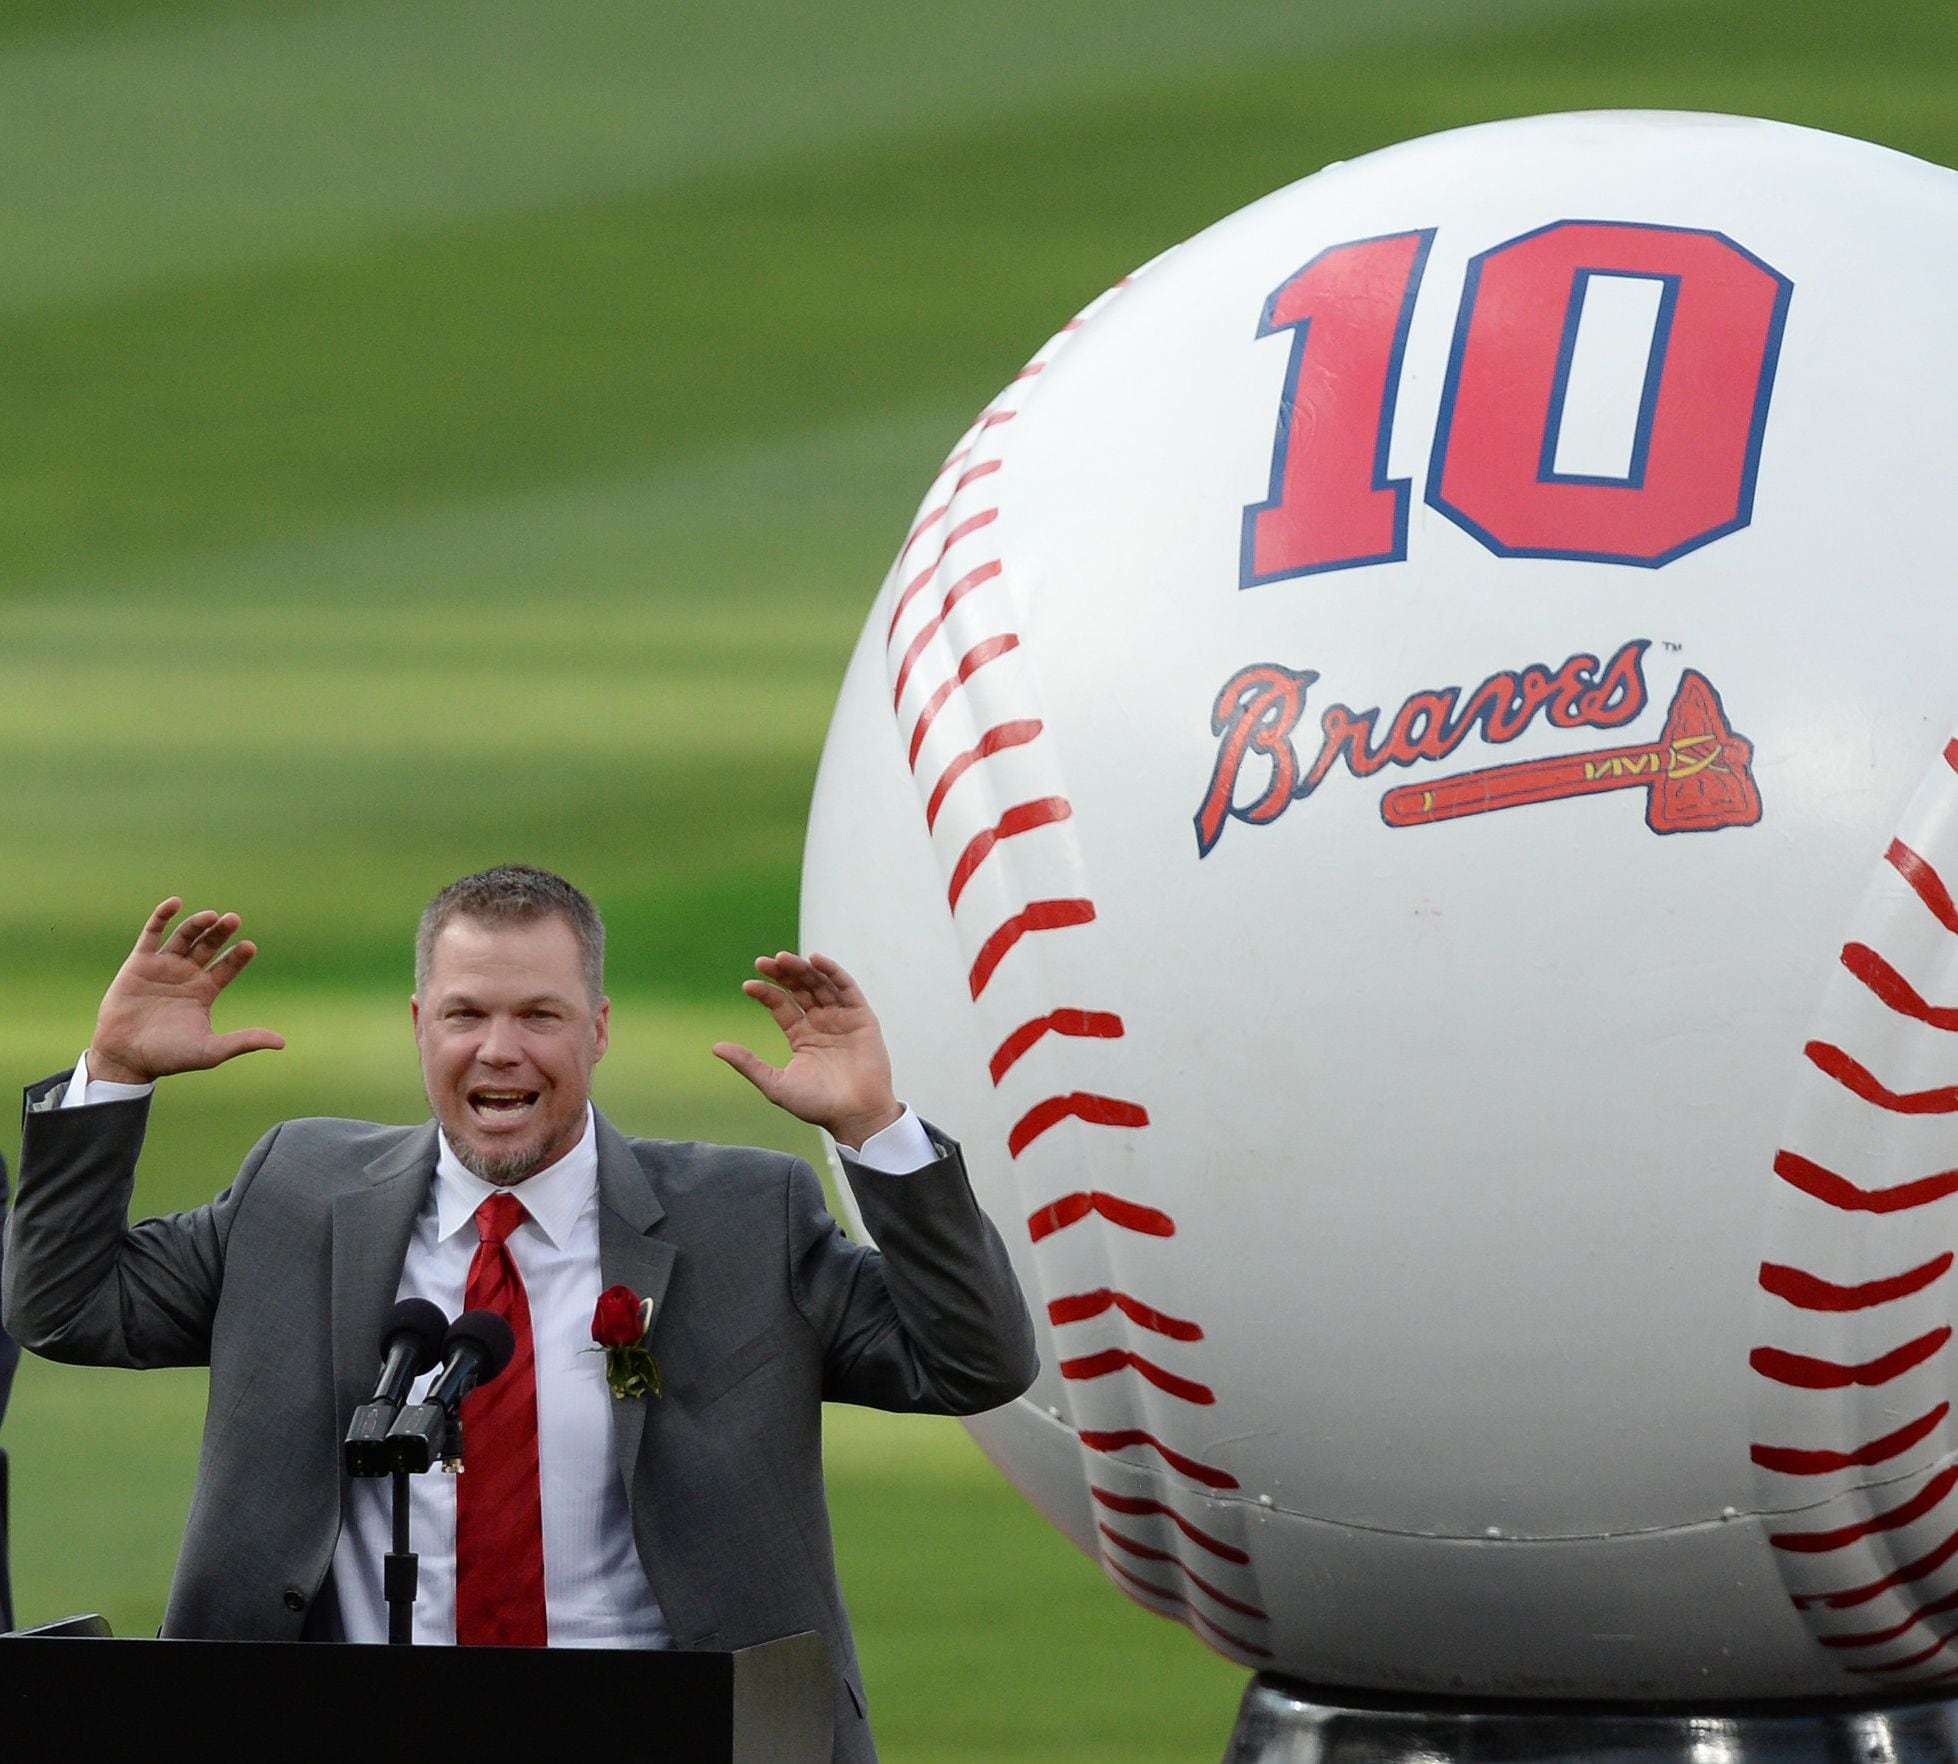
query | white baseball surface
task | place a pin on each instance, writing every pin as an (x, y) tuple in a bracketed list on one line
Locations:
[(1397, 801)]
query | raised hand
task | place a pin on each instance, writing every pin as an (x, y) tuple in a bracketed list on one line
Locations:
[(155, 1019), (839, 1075)]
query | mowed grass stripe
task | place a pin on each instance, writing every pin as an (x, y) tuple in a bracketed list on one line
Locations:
[(153, 141), (613, 336), (796, 518), (629, 680), (310, 694), (547, 348)]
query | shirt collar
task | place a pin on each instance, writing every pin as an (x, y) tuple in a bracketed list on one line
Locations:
[(553, 1198)]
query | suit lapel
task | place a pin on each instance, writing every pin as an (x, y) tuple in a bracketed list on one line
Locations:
[(371, 1227), (630, 1253)]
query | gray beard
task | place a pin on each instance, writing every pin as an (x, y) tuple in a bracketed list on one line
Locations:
[(505, 1169)]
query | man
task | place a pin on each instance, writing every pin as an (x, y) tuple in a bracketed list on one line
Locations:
[(9, 1359), (692, 1519)]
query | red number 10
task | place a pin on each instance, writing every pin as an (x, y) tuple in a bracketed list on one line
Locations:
[(1701, 404)]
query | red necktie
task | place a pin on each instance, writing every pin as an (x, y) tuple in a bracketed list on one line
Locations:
[(499, 1512)]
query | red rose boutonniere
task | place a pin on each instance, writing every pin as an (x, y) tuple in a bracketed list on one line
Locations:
[(620, 1325)]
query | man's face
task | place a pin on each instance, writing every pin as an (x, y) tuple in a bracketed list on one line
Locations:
[(508, 1037)]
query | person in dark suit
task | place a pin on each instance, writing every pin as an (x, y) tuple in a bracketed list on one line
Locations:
[(9, 1359), (692, 1519)]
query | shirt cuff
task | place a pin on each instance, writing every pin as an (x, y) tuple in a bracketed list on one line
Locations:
[(896, 1150), (83, 1091)]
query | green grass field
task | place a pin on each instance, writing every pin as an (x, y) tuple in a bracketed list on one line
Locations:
[(437, 433)]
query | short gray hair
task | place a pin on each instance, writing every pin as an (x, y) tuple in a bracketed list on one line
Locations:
[(515, 894)]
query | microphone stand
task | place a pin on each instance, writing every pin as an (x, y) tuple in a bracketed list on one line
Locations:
[(410, 1346), (401, 1567), (416, 1437), (400, 1571)]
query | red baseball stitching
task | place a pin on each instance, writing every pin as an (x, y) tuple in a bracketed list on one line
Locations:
[(983, 470), (1136, 1507), (995, 740), (1809, 1373), (970, 663), (1798, 1461), (1875, 1638), (1839, 1192), (1858, 1079), (1148, 1554), (1024, 817), (1810, 1292), (1095, 1025), (1120, 1439), (1928, 1563), (1071, 1209), (1910, 1661), (1887, 1008), (1925, 880), (1083, 1307), (973, 578), (1893, 989), (1077, 1105), (927, 521), (1170, 1597), (1907, 1513), (1039, 915), (1905, 1664), (1113, 1360), (984, 518), (1000, 726)]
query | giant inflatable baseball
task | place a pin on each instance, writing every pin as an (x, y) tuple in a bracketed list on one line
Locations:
[(1402, 798)]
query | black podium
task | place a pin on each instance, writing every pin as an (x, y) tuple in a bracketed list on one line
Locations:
[(92, 1696)]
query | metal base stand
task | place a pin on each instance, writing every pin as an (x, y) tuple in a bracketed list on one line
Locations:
[(1281, 1722)]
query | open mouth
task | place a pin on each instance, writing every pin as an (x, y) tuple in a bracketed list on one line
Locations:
[(501, 1108)]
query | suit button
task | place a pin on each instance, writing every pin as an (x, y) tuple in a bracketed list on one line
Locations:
[(295, 1599)]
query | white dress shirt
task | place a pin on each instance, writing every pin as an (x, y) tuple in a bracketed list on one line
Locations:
[(595, 1590)]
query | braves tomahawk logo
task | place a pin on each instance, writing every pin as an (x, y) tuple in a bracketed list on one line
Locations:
[(1698, 776)]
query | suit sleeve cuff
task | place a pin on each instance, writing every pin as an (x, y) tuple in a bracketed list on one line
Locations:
[(84, 1091), (898, 1150)]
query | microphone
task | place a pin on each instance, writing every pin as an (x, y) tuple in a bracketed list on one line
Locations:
[(478, 1346), (410, 1344)]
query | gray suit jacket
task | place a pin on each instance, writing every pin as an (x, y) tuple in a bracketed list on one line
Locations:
[(9, 1359), (764, 1309)]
